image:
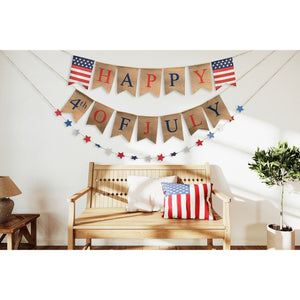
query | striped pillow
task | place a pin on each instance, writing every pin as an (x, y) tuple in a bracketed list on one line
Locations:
[(184, 201)]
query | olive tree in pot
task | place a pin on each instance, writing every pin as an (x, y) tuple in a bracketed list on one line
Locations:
[(276, 166)]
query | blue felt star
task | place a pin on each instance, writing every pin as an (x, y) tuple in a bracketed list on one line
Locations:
[(240, 108), (68, 123), (134, 157), (211, 135), (173, 154)]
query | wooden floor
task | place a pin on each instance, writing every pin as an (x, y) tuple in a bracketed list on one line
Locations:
[(24, 247), (155, 248)]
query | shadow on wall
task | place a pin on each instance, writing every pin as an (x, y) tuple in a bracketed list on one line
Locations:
[(49, 223), (220, 183), (245, 209)]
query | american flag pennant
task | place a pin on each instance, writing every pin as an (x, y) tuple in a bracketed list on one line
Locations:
[(81, 71), (223, 72)]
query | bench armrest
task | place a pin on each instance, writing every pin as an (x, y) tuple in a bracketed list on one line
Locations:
[(79, 194), (221, 196)]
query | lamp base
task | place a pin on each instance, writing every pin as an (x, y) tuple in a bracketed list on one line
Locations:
[(6, 207)]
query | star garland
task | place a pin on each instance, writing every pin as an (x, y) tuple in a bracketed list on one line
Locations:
[(158, 157)]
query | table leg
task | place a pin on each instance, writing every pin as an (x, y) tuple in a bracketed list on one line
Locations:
[(33, 233), (10, 241)]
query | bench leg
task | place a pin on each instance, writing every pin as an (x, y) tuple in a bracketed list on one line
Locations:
[(71, 239), (209, 244), (89, 243), (226, 240)]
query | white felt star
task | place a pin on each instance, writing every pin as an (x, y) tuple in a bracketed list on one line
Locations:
[(148, 158), (108, 151)]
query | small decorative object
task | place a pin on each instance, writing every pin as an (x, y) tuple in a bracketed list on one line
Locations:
[(276, 166), (7, 189)]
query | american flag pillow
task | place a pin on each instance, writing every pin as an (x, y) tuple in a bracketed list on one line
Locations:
[(184, 201)]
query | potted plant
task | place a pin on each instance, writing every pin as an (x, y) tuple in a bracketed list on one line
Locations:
[(276, 166)]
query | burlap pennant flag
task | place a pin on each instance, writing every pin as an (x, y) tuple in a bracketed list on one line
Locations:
[(195, 119), (216, 110), (171, 126), (77, 105), (81, 71), (104, 75), (123, 125), (147, 128), (201, 77), (100, 116), (127, 80), (174, 80), (150, 81), (223, 72)]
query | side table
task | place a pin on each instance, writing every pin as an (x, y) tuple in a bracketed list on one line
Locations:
[(18, 224)]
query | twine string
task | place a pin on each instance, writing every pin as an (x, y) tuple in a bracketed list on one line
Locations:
[(32, 84), (278, 70)]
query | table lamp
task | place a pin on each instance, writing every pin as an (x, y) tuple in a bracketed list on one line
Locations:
[(7, 189)]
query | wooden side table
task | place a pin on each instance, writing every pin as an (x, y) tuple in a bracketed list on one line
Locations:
[(18, 224)]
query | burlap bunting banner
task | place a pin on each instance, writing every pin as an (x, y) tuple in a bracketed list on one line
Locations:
[(104, 76), (171, 126), (147, 128), (216, 110), (127, 80), (174, 80), (123, 125), (201, 77), (100, 116), (195, 119), (77, 105), (150, 81)]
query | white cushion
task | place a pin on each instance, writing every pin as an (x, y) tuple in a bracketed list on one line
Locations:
[(145, 193)]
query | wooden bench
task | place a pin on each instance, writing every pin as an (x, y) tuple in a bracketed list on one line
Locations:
[(105, 216)]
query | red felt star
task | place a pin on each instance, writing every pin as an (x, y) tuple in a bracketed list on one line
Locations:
[(160, 157), (199, 143), (58, 112), (121, 155), (231, 118), (87, 139)]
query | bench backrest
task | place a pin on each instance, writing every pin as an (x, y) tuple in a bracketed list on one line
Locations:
[(109, 182)]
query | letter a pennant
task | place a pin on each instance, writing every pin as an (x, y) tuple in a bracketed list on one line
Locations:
[(127, 80)]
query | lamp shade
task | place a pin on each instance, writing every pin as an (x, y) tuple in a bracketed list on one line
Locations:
[(8, 187)]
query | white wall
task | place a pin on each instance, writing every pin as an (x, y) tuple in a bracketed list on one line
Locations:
[(49, 163)]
